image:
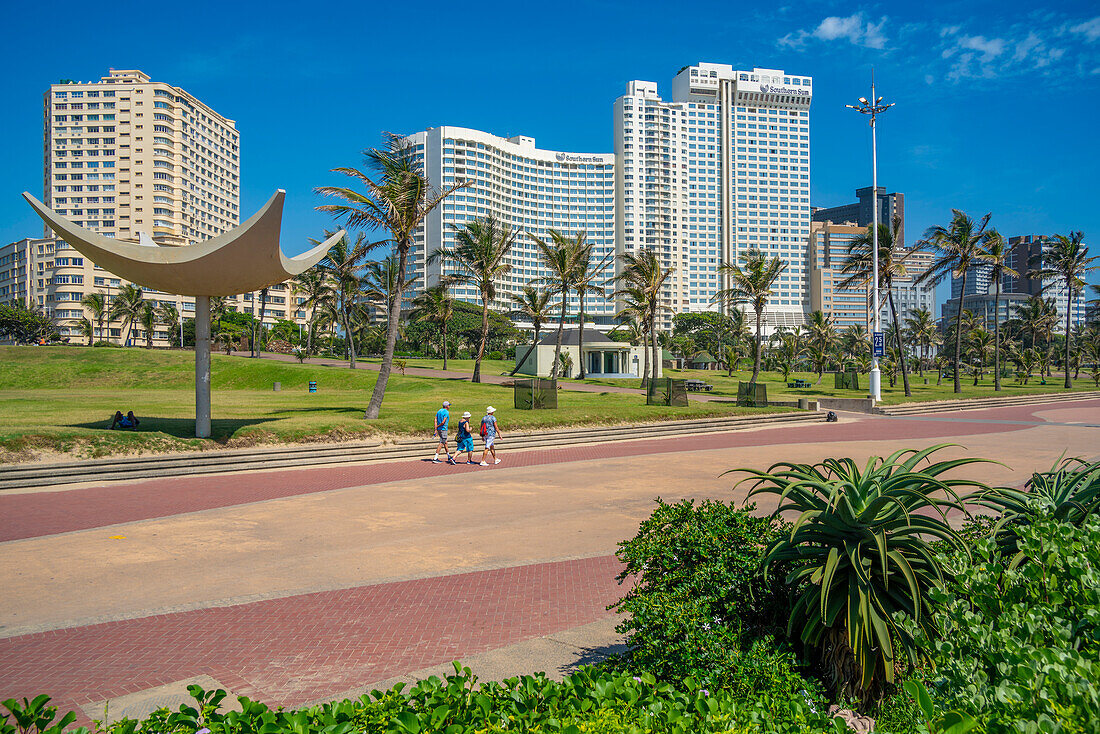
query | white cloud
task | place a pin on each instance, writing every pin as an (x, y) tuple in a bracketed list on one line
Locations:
[(990, 48), (1090, 29), (853, 28)]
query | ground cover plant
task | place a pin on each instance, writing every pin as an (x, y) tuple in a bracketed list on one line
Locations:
[(587, 701), (61, 399)]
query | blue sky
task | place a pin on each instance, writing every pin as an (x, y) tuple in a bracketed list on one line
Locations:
[(997, 102)]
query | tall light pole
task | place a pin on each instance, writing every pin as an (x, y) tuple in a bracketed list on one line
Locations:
[(874, 107)]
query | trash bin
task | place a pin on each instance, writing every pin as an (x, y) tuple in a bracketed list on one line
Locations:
[(313, 386), (277, 386)]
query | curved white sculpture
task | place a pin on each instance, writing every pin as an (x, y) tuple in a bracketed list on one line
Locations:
[(242, 260)]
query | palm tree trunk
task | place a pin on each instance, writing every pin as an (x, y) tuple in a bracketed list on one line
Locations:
[(958, 333), (309, 336), (484, 336), (561, 328), (1069, 308), (351, 339), (897, 339), (645, 355), (756, 357), (997, 336), (444, 346), (580, 337), (526, 355), (374, 408), (653, 340)]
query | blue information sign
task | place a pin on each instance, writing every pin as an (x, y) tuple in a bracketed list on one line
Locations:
[(878, 343)]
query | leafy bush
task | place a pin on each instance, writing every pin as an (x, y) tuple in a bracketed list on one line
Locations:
[(1069, 492), (1019, 647), (700, 607), (860, 557), (495, 355), (584, 702)]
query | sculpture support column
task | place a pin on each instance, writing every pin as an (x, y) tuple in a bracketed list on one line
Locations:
[(202, 366)]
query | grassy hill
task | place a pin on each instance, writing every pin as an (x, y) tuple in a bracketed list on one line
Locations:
[(61, 399)]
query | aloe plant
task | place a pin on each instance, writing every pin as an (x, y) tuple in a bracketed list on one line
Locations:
[(1069, 492), (861, 556)]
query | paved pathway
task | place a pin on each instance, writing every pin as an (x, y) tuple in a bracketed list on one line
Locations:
[(294, 585)]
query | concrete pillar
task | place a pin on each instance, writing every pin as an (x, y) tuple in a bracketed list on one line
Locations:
[(202, 366)]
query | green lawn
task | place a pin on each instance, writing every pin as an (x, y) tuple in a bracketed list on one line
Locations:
[(778, 390), (61, 399), (488, 366)]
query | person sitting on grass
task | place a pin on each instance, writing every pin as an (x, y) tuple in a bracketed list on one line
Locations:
[(128, 421)]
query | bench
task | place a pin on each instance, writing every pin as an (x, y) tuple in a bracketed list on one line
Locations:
[(797, 384)]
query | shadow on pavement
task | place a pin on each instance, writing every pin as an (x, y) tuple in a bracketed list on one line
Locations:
[(591, 655)]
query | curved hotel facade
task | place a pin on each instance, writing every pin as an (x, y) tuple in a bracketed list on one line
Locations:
[(531, 189)]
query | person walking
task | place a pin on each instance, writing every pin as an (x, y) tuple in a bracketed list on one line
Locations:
[(442, 418), (465, 439), (490, 431)]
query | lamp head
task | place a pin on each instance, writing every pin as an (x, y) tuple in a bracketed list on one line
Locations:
[(863, 100)]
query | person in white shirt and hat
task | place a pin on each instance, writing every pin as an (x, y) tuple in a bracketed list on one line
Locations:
[(490, 431)]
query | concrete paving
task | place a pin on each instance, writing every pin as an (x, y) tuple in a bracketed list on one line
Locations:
[(299, 586)]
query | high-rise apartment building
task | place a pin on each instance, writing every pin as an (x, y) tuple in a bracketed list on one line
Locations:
[(827, 254), (527, 188), (722, 168), (1025, 254), (137, 160), (862, 211), (126, 155)]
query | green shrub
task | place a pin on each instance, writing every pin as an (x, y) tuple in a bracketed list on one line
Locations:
[(495, 355), (1069, 492), (588, 701), (1019, 647), (700, 607)]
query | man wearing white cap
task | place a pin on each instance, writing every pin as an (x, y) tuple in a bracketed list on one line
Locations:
[(442, 418), (490, 432)]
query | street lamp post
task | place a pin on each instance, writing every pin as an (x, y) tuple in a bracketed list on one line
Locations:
[(874, 107)]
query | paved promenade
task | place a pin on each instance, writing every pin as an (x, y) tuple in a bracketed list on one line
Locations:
[(295, 586)]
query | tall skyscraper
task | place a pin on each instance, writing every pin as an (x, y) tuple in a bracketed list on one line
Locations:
[(721, 169), (1025, 255), (528, 188)]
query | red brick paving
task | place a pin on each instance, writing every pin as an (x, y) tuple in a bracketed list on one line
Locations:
[(298, 649), (36, 514)]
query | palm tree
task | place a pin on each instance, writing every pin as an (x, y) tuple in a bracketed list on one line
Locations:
[(822, 335), (980, 347), (997, 252), (343, 266), (787, 354), (382, 284), (752, 282), (1037, 317), (922, 327), (97, 304), (254, 346), (558, 259), (127, 306), (480, 257), (436, 307), (589, 268), (397, 200), (635, 314), (168, 315), (148, 320), (317, 287), (854, 341), (891, 265), (533, 305), (645, 277), (86, 328), (961, 245), (1066, 257)]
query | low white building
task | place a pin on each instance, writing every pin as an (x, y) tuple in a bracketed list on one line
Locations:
[(602, 356)]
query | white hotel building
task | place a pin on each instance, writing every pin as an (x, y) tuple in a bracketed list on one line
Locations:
[(722, 168), (531, 189)]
